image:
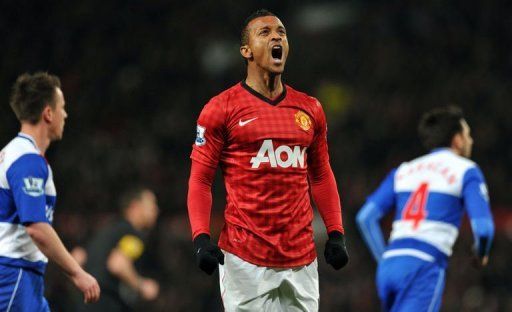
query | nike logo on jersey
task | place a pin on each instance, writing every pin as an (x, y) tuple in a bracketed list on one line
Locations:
[(244, 122)]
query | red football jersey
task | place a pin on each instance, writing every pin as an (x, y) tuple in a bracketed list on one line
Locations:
[(264, 148)]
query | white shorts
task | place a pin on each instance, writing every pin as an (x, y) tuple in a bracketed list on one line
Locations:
[(248, 287)]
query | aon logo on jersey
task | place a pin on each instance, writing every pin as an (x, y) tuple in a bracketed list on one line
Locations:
[(283, 156)]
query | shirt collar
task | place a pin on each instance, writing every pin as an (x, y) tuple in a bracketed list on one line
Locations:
[(264, 98), (441, 149), (30, 138)]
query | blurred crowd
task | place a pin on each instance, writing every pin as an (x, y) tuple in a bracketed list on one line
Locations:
[(136, 74)]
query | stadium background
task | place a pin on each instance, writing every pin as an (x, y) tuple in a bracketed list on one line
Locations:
[(136, 74)]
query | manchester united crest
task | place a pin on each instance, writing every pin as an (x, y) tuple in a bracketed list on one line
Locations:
[(303, 120)]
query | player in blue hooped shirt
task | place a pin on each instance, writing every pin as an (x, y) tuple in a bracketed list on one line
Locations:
[(428, 196), (27, 200)]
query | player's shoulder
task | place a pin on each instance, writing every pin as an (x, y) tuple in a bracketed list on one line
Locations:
[(442, 158), (18, 148), (219, 107), (463, 162), (301, 97), (123, 228), (227, 96), (305, 102), (453, 160)]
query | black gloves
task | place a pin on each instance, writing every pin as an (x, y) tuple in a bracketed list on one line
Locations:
[(335, 251), (208, 255)]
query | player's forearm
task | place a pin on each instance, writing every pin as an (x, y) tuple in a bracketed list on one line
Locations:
[(483, 229), (47, 240), (368, 222), (477, 205), (325, 194), (199, 199), (122, 267)]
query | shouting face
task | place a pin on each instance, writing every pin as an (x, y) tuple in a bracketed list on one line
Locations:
[(267, 47)]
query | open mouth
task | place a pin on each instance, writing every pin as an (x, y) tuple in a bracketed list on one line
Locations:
[(277, 52)]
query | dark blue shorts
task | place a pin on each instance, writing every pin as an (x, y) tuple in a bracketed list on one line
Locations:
[(406, 283), (21, 290)]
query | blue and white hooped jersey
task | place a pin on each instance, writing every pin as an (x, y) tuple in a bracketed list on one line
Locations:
[(27, 195), (430, 195)]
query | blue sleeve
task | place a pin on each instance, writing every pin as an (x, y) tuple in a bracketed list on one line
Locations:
[(27, 178), (384, 196), (368, 218), (476, 202)]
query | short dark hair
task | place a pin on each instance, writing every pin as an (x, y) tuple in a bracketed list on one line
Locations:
[(31, 93), (438, 126), (244, 37), (132, 194)]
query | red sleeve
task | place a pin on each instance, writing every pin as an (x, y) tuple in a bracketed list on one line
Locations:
[(206, 151), (199, 199), (210, 134), (321, 178), (318, 152)]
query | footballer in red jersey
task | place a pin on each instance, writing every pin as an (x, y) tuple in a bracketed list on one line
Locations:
[(270, 142)]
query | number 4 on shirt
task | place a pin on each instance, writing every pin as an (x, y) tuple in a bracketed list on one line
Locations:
[(414, 209)]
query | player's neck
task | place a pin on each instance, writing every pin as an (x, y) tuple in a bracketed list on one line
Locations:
[(267, 84), (455, 151), (39, 134), (134, 220)]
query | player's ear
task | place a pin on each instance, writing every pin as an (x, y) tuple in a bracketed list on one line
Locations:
[(47, 114), (458, 141), (246, 52)]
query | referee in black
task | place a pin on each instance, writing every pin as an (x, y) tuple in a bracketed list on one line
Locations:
[(113, 253)]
